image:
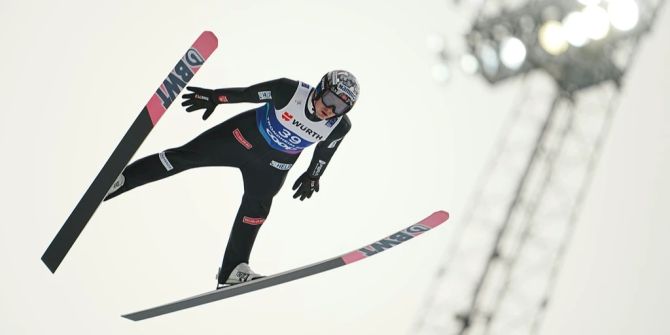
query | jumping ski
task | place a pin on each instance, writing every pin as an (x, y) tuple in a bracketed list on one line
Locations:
[(419, 228), (159, 102)]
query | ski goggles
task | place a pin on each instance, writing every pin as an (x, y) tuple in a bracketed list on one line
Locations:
[(332, 100)]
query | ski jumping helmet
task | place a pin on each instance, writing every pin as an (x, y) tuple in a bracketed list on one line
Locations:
[(338, 89)]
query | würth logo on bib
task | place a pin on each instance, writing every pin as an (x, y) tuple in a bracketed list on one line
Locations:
[(307, 130), (287, 116), (253, 221)]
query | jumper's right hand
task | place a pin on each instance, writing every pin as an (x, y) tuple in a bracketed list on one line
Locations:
[(201, 98), (305, 186)]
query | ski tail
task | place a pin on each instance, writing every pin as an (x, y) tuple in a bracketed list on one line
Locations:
[(388, 242), (159, 102)]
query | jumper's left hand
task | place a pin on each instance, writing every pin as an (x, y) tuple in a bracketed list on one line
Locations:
[(200, 98), (305, 186)]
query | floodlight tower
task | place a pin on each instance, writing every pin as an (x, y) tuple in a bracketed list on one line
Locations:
[(499, 271)]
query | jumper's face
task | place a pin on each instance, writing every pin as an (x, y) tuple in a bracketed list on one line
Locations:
[(322, 111)]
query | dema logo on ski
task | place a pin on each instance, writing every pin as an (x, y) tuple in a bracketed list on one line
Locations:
[(179, 76), (393, 240)]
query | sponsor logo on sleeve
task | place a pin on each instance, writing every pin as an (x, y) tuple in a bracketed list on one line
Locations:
[(265, 95), (165, 161), (280, 166), (253, 221), (334, 143), (240, 138), (305, 85), (319, 167), (223, 99)]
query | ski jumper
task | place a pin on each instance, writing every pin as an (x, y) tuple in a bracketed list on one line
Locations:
[(263, 143)]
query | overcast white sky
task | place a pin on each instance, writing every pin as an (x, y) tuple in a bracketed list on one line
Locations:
[(77, 73)]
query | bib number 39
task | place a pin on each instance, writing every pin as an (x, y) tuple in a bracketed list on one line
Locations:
[(291, 138)]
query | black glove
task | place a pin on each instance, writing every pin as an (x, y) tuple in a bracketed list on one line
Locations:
[(201, 98), (305, 186)]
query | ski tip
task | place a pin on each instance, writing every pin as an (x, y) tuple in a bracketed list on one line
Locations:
[(206, 43), (210, 37), (444, 215), (435, 219)]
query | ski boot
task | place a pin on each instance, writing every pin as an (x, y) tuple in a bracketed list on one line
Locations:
[(241, 273), (117, 185)]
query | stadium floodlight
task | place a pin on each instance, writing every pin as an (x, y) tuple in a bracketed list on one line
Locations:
[(552, 38), (623, 14), (489, 59), (574, 29), (469, 64), (512, 53), (598, 22)]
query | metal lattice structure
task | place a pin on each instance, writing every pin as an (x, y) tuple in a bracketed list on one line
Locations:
[(501, 266)]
